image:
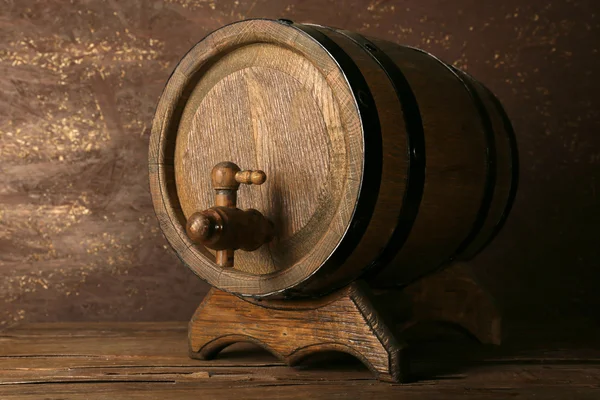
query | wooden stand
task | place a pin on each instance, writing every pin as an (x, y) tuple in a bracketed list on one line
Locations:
[(353, 320)]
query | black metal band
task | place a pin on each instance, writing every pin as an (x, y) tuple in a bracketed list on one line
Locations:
[(373, 151), (490, 173), (514, 165), (415, 137)]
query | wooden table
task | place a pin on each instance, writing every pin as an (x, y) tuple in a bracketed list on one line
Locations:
[(150, 361)]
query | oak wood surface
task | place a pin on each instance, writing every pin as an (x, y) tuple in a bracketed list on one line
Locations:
[(309, 115), (455, 149), (150, 361), (346, 321), (395, 164), (370, 325), (506, 167), (281, 97)]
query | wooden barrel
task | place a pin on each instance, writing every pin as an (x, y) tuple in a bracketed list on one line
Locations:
[(382, 161)]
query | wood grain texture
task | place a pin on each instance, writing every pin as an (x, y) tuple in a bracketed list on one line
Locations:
[(455, 149), (370, 326), (149, 361), (506, 167), (266, 133), (345, 321), (258, 101), (393, 174)]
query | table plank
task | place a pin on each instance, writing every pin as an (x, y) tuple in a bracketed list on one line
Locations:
[(150, 361)]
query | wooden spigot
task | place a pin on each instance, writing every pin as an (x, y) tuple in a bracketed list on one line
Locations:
[(224, 227)]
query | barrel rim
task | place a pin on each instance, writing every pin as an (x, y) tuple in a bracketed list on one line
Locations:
[(475, 246), (164, 203), (514, 170), (372, 160), (489, 186), (491, 161), (415, 137)]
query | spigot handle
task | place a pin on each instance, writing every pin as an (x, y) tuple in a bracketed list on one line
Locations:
[(224, 227)]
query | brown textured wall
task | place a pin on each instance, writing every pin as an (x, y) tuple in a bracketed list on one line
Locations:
[(79, 81)]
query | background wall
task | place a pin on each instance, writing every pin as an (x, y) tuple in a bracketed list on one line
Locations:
[(79, 81)]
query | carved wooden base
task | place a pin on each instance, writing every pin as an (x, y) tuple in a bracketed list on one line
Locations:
[(352, 320), (345, 321), (453, 296)]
